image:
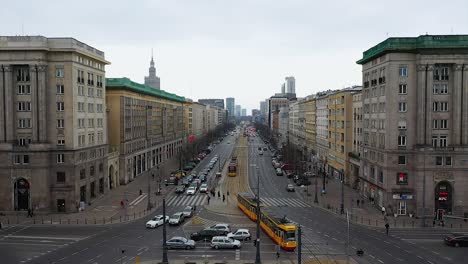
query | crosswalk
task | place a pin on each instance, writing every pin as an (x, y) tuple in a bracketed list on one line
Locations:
[(282, 202), (182, 200)]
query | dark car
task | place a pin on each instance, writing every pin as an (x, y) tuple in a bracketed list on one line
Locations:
[(205, 234), (189, 178), (172, 180), (180, 189), (303, 181), (202, 178), (185, 182), (457, 240)]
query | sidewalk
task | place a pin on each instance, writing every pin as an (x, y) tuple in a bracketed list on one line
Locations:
[(365, 214), (106, 209)]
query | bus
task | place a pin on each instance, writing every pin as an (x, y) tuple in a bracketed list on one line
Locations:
[(278, 228), (232, 168)]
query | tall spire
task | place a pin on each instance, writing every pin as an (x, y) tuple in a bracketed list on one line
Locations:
[(152, 60)]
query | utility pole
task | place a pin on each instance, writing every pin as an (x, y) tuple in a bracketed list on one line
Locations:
[(164, 258), (347, 241), (314, 160), (148, 207), (342, 192), (423, 218), (299, 245), (257, 255)]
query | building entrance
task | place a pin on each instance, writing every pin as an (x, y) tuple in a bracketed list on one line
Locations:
[(22, 194), (443, 197)]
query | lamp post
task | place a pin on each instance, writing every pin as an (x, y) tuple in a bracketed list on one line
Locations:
[(315, 176), (257, 255), (342, 192), (148, 206), (164, 257)]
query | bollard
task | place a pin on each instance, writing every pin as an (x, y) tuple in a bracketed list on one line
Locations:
[(103, 220), (134, 215), (8, 221), (51, 222), (86, 221), (451, 225), (95, 220), (369, 221), (42, 220), (60, 220), (120, 219), (77, 221)]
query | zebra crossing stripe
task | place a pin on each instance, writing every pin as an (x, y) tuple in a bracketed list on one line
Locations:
[(171, 200), (304, 204), (279, 201), (202, 201), (265, 201), (294, 202)]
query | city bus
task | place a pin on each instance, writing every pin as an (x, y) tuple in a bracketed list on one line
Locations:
[(278, 228), (232, 167)]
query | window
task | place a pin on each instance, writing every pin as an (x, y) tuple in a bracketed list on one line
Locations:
[(91, 138), (60, 106), (402, 107), (25, 159), (60, 142), (435, 123), (90, 92), (443, 123), (59, 72), (90, 107), (22, 75), (402, 124), (448, 161), (81, 140), (82, 174), (60, 177), (443, 89), (17, 159), (60, 158), (401, 160), (24, 106), (24, 123), (91, 171), (403, 71), (22, 141), (434, 141), (381, 176), (60, 89), (402, 178), (99, 93), (24, 89), (80, 107), (91, 122), (443, 106), (60, 123), (382, 90), (401, 140), (439, 161), (99, 108), (80, 90), (99, 122), (443, 141), (402, 89)]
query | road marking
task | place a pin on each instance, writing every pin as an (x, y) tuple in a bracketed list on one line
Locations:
[(435, 252), (430, 262), (420, 257), (380, 261), (371, 256), (399, 259), (237, 254), (44, 237), (138, 199)]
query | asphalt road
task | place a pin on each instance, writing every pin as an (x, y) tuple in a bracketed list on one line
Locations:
[(323, 234)]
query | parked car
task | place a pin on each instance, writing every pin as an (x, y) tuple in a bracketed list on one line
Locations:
[(290, 188), (279, 172), (225, 228), (188, 211), (202, 178), (191, 190), (204, 188), (457, 240), (303, 181), (172, 180), (180, 189), (240, 234), (156, 221), (205, 234), (180, 242), (176, 219), (225, 242)]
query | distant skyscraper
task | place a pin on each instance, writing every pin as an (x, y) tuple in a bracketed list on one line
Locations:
[(152, 80), (230, 106), (290, 85), (213, 102), (244, 112), (238, 110), (263, 107), (283, 88)]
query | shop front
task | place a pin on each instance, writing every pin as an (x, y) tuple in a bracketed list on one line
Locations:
[(403, 201)]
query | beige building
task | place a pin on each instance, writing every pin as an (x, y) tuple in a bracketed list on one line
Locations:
[(196, 117), (53, 143), (321, 117), (147, 127), (310, 131), (355, 154), (415, 124)]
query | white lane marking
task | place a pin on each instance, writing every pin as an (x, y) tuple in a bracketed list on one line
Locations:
[(237, 254), (420, 257), (295, 202), (380, 261), (371, 256), (169, 202), (203, 201), (45, 237), (138, 199), (435, 252)]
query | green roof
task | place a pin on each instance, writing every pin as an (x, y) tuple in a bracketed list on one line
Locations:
[(129, 85), (414, 44)]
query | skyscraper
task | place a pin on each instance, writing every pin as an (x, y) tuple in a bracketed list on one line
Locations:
[(238, 110), (152, 80), (230, 105), (290, 85), (244, 112)]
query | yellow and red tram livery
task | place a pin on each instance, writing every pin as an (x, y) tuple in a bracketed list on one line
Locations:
[(279, 229)]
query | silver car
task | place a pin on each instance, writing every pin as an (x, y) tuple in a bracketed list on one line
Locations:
[(180, 242), (224, 228), (240, 234), (188, 211), (224, 242)]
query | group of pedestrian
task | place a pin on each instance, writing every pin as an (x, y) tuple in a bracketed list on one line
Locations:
[(358, 202), (213, 193)]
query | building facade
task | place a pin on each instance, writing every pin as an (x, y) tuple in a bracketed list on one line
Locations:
[(415, 124), (147, 126), (53, 143), (355, 154), (152, 80), (238, 110), (212, 102), (321, 103), (310, 131)]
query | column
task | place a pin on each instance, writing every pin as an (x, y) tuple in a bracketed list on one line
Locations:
[(464, 129), (42, 102), (455, 104), (2, 107), (429, 100), (420, 94), (34, 103), (9, 103)]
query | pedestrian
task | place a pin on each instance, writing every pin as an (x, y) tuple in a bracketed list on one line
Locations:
[(387, 226), (357, 202), (224, 198), (208, 199), (227, 193), (122, 203), (219, 194), (153, 176), (194, 208), (383, 210), (29, 212), (141, 192), (32, 211)]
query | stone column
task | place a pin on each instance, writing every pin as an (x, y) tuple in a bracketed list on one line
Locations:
[(42, 102), (421, 106), (465, 106), (455, 91), (9, 103), (429, 96), (34, 103), (2, 107)]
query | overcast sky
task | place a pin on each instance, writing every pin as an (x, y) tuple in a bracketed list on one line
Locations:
[(239, 48)]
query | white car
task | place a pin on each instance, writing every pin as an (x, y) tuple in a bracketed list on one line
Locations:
[(156, 221), (204, 188), (177, 218), (240, 234), (224, 228), (191, 190)]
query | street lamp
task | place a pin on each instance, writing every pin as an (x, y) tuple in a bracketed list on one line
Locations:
[(257, 255), (164, 257), (342, 192)]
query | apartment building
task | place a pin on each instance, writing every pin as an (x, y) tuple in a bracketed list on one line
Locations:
[(196, 124), (415, 124), (147, 126), (53, 143), (310, 131), (355, 154), (340, 110), (321, 103)]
